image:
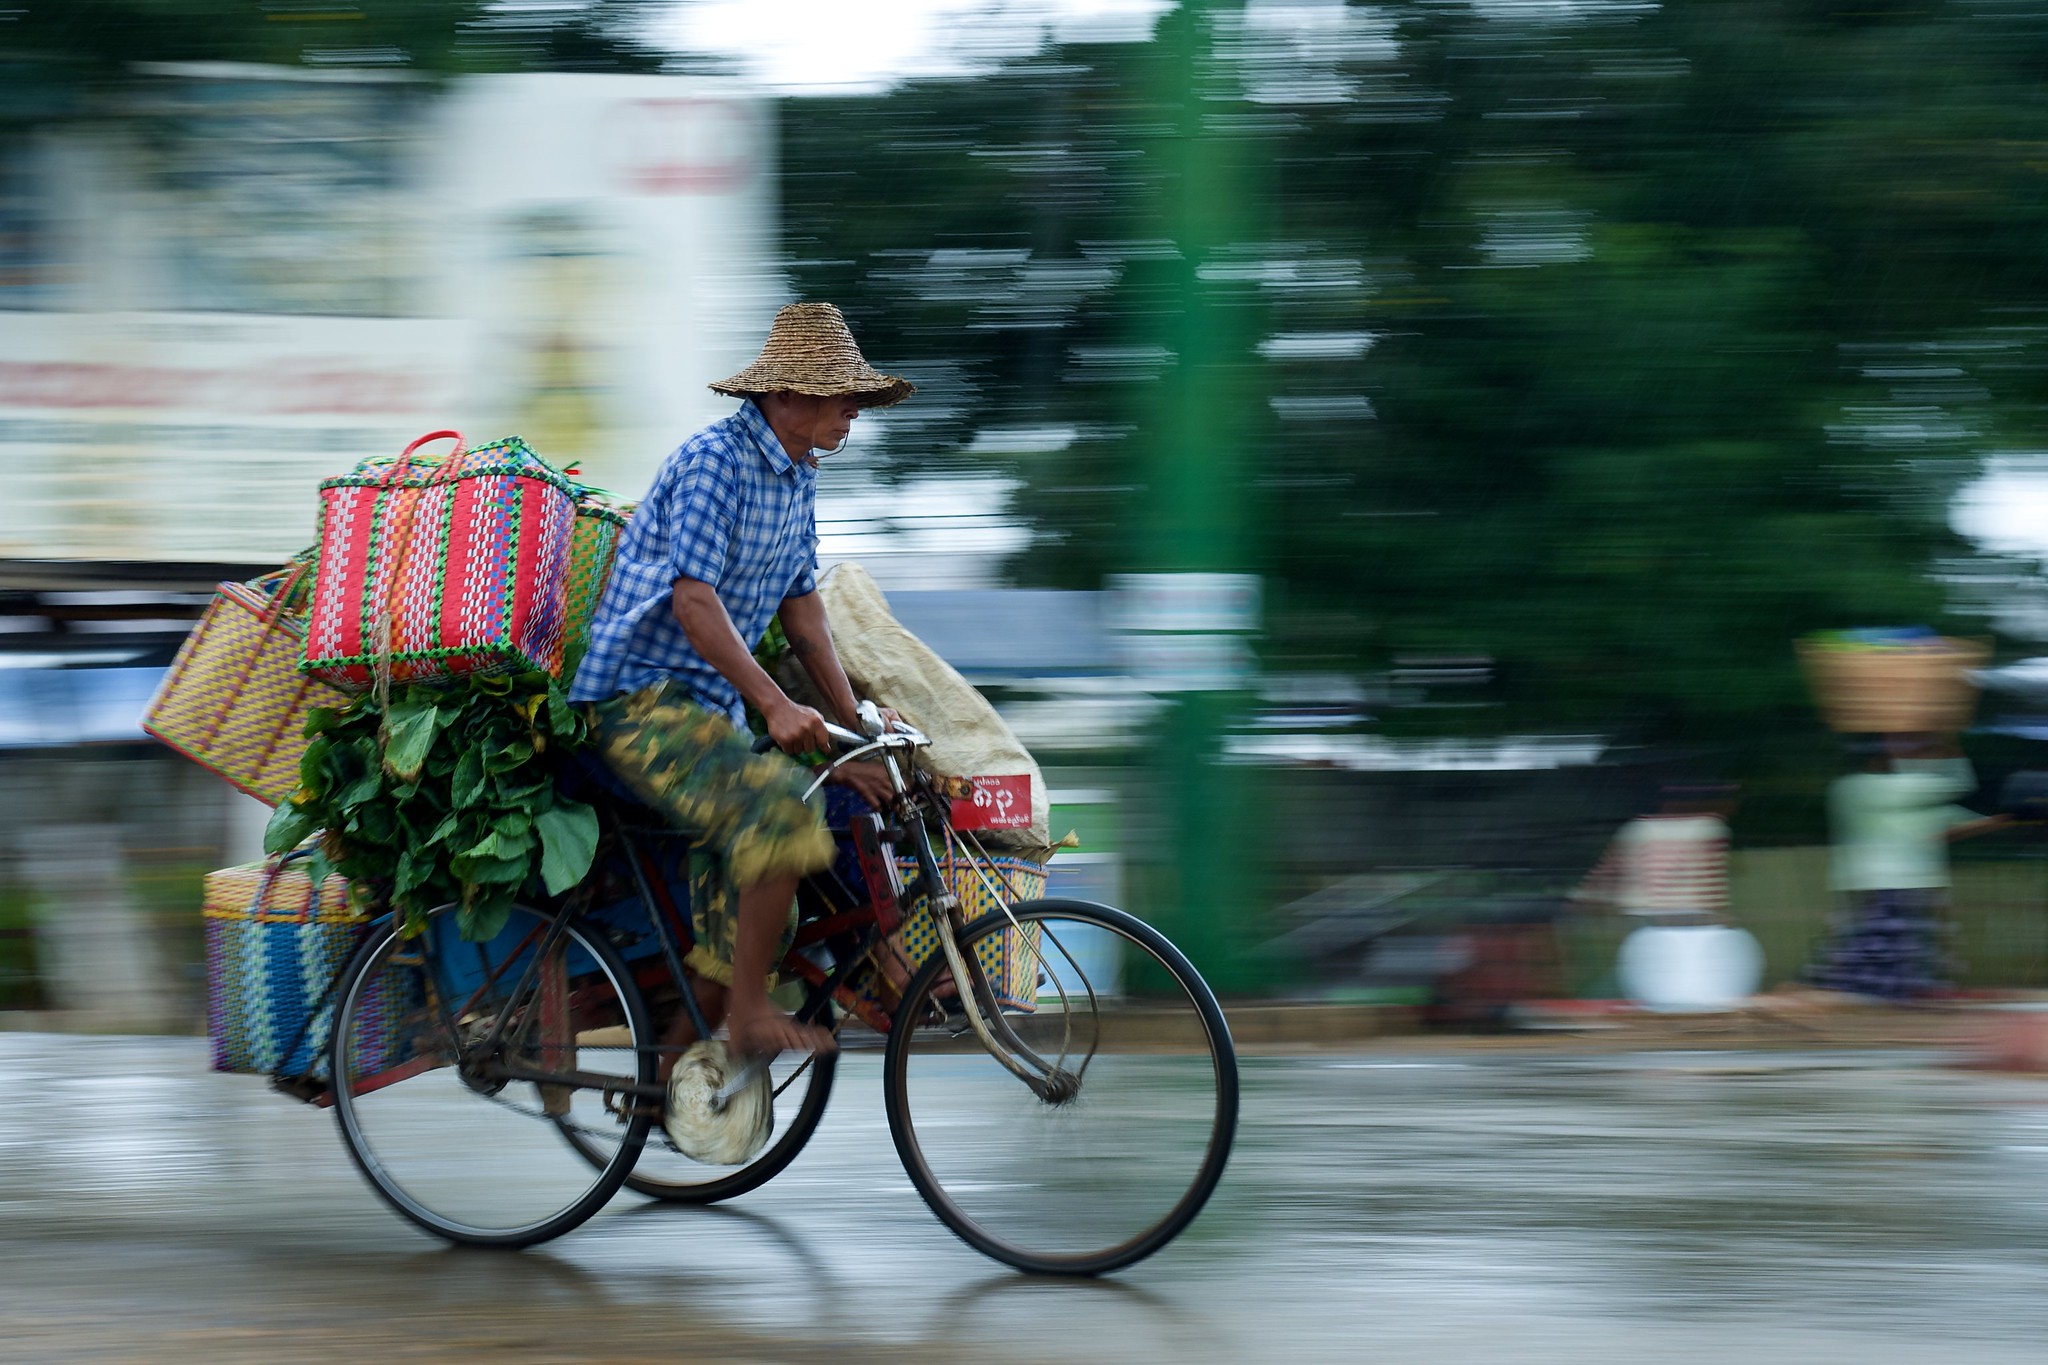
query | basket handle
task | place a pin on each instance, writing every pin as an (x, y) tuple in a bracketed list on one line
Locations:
[(380, 669), (287, 580), (269, 883), (404, 465)]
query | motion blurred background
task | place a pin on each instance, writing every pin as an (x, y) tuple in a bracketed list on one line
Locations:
[(1366, 449)]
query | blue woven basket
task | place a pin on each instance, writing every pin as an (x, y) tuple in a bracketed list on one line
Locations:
[(274, 948)]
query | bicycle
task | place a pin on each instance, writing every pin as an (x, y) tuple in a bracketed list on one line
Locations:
[(1057, 1121)]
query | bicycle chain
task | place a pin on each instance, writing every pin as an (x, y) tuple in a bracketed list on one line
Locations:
[(585, 1129)]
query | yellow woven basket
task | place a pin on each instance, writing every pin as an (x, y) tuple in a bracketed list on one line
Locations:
[(1010, 958), (234, 699)]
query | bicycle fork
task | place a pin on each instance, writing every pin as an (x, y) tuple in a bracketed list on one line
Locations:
[(1050, 1082)]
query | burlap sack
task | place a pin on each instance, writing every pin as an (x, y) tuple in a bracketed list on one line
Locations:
[(889, 664)]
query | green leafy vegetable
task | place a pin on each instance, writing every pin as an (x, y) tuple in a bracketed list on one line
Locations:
[(447, 797), (409, 736), (289, 825), (568, 841)]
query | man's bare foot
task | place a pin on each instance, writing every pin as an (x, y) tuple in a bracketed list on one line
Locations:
[(764, 1031)]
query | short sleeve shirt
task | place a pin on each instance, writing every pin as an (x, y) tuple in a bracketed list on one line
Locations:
[(1891, 829), (729, 508)]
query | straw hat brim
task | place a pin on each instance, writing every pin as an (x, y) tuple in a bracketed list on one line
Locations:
[(870, 386), (811, 351)]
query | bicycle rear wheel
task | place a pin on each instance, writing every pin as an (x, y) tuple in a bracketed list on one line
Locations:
[(1135, 1136), (424, 1099)]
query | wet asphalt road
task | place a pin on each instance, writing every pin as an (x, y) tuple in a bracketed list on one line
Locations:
[(1385, 1207)]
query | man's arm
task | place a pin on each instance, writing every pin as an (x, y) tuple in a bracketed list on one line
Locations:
[(1969, 824), (810, 637), (795, 729)]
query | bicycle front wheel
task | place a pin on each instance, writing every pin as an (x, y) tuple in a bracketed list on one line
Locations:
[(456, 1064), (1124, 1139)]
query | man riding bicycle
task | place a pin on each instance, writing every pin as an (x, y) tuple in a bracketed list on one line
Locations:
[(725, 540)]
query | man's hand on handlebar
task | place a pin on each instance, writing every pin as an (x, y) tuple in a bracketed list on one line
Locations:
[(874, 720), (798, 729), (869, 781)]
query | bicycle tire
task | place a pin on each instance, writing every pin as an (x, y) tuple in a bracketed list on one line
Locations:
[(1208, 1034), (770, 1162), (353, 1003)]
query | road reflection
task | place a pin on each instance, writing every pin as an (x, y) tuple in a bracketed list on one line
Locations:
[(1390, 1207)]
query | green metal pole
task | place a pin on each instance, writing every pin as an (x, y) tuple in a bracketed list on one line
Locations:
[(1201, 882)]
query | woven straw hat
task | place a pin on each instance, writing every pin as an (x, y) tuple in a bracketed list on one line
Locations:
[(810, 350)]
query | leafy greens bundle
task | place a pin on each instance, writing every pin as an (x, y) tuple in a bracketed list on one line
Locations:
[(447, 797)]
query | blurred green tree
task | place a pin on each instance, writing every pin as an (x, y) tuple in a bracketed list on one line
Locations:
[(1618, 344), (429, 35)]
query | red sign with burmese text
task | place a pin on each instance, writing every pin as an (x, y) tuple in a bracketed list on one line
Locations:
[(993, 803)]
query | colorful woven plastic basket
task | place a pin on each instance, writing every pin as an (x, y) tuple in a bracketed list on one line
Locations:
[(600, 520), (234, 700), (273, 952), (434, 569), (1010, 958)]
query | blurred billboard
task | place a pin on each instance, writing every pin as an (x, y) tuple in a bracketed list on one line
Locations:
[(247, 278)]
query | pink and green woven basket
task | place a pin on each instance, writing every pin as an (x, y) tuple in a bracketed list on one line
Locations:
[(435, 569), (485, 560)]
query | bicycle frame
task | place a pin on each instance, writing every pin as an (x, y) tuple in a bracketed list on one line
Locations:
[(917, 809)]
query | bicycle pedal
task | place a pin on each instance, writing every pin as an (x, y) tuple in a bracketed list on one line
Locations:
[(953, 1018), (623, 1109)]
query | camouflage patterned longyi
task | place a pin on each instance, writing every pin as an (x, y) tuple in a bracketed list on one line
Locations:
[(744, 812)]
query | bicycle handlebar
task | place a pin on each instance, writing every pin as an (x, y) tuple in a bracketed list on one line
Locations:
[(902, 737)]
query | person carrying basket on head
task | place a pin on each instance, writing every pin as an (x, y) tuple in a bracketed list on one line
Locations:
[(725, 540), (1892, 821)]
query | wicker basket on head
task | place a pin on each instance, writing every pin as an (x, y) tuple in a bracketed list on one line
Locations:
[(1895, 689)]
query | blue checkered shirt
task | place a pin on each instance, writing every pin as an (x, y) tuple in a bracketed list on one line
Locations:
[(731, 509)]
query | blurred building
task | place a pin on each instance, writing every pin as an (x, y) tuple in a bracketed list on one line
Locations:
[(219, 285), (239, 280)]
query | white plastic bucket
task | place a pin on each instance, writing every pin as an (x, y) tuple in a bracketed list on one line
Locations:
[(1691, 968)]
